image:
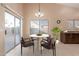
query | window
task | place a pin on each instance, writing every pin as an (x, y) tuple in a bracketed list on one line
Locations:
[(44, 26), (73, 24), (70, 24), (39, 26), (76, 24)]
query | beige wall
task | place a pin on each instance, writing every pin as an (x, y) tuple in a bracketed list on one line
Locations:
[(16, 7), (1, 30), (52, 12)]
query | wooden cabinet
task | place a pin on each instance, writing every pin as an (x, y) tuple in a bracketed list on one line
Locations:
[(70, 37)]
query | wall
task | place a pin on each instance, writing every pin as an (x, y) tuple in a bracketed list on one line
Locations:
[(16, 7), (1, 30), (52, 12)]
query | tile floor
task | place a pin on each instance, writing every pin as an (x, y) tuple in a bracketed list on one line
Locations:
[(61, 50)]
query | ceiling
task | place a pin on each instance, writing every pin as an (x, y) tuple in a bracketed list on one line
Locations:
[(74, 5)]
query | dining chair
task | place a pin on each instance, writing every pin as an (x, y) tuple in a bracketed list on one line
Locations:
[(49, 43), (27, 42)]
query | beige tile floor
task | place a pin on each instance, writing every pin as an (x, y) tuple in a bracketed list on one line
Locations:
[(28, 51), (67, 49), (61, 50)]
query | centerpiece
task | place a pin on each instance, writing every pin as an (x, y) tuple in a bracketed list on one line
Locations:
[(39, 34)]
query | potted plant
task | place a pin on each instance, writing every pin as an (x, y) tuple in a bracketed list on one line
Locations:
[(55, 32)]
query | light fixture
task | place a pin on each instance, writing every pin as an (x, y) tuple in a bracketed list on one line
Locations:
[(39, 13)]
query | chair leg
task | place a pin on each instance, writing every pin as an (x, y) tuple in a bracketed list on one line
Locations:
[(41, 50), (54, 51), (33, 49), (21, 49)]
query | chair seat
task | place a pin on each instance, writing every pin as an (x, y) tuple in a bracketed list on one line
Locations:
[(27, 44), (45, 45)]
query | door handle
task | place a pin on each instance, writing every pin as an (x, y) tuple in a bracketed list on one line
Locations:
[(5, 32)]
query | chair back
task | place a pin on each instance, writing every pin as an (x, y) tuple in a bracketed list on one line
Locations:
[(50, 41), (22, 40)]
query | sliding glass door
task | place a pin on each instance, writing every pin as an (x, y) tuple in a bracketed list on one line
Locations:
[(9, 31), (17, 30), (12, 31)]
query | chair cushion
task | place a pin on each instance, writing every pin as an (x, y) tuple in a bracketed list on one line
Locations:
[(45, 46), (28, 43), (26, 39)]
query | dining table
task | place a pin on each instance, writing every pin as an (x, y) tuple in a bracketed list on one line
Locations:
[(39, 38)]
